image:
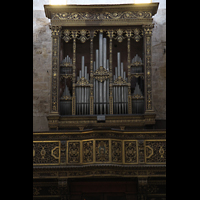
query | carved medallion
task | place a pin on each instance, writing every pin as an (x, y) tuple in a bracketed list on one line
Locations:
[(73, 152), (102, 151)]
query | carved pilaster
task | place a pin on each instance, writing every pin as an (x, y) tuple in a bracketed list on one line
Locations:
[(141, 151), (142, 188), (110, 35), (55, 34), (128, 34), (91, 73), (63, 187), (74, 36), (63, 152), (147, 32)]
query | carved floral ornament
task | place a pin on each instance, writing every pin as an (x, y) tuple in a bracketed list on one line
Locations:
[(118, 34), (101, 16)]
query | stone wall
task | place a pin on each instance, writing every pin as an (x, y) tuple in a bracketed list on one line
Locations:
[(42, 63), (41, 70), (159, 64)]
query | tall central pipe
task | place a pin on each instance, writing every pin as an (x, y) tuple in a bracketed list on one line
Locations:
[(97, 83), (104, 65), (119, 88), (100, 64), (100, 49), (82, 88)]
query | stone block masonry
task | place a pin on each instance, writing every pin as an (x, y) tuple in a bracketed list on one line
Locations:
[(41, 70)]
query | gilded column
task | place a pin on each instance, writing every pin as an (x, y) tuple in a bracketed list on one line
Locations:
[(110, 35), (74, 36), (91, 74), (147, 32), (56, 35), (128, 34)]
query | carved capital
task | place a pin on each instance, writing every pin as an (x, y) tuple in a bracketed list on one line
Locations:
[(55, 30), (110, 33), (147, 29)]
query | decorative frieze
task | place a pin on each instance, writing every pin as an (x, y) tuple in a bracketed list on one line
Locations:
[(74, 16), (99, 151)]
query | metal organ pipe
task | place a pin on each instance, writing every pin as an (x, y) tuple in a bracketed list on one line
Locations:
[(107, 88), (82, 89), (97, 83), (82, 92), (120, 92), (105, 82), (101, 89)]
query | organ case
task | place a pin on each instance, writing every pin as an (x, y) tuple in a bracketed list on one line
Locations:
[(104, 60)]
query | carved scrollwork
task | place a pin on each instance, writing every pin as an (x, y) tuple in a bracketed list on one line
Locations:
[(101, 74), (148, 29), (126, 15), (83, 82), (84, 35), (46, 153), (73, 152), (102, 151), (87, 151), (76, 16), (120, 82), (155, 151), (116, 151), (137, 34), (130, 152), (97, 16), (119, 36), (66, 98), (67, 36), (81, 35)]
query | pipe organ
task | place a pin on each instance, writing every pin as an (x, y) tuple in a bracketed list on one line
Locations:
[(101, 64), (101, 83), (101, 93)]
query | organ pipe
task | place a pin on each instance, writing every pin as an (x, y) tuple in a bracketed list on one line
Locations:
[(101, 87), (82, 91), (120, 92)]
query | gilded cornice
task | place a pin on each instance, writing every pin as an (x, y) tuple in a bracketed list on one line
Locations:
[(133, 14), (101, 16)]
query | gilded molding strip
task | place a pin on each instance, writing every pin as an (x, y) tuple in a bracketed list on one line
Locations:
[(99, 172)]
